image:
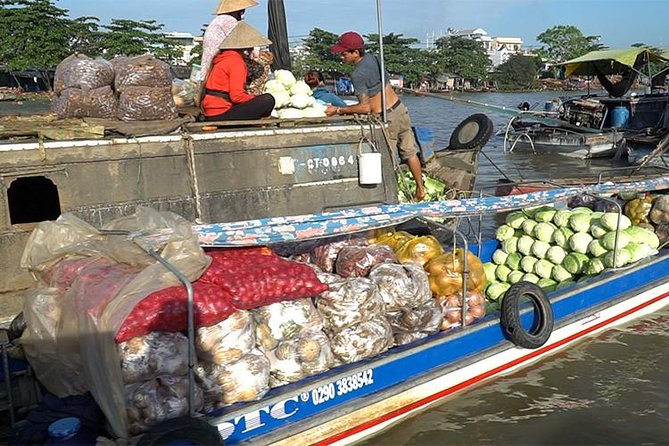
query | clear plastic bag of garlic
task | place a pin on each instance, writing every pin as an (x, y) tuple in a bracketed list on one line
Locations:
[(228, 341), (363, 340), (157, 400), (304, 355), (158, 353), (349, 302), (293, 98), (451, 306), (244, 380)]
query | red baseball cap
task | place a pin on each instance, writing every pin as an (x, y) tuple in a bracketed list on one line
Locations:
[(347, 42)]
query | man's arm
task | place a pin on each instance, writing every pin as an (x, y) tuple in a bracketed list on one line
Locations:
[(362, 107)]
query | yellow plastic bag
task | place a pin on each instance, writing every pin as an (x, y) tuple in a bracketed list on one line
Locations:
[(393, 239), (445, 273), (419, 250)]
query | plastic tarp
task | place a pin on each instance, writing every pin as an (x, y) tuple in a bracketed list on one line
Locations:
[(278, 33), (83, 317), (611, 61)]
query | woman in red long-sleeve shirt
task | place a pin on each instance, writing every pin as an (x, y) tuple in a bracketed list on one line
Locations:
[(225, 96)]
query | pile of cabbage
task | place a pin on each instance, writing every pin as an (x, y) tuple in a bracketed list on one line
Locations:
[(293, 98), (554, 248)]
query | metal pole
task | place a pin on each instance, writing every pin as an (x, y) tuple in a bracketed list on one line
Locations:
[(379, 30)]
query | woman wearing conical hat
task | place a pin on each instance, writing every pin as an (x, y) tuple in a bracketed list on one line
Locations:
[(225, 95), (228, 13)]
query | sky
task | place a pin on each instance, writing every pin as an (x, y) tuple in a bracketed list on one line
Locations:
[(620, 23)]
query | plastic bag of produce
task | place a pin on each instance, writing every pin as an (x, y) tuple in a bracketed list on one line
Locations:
[(285, 320), (158, 400), (659, 214), (140, 71), (227, 341), (78, 103), (638, 210), (303, 355), (362, 340), (82, 72), (167, 310), (148, 357), (349, 302), (257, 277), (146, 104), (445, 273), (357, 261), (401, 286), (244, 380), (419, 250), (391, 238), (325, 256), (451, 306), (184, 92), (410, 324)]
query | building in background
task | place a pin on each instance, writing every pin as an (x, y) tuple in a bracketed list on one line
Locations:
[(499, 49), (186, 42)]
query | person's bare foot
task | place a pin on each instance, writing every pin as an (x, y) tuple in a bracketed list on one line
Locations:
[(420, 195)]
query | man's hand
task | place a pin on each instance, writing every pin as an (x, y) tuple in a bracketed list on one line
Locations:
[(420, 195), (331, 110)]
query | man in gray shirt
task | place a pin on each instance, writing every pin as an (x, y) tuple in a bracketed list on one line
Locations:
[(366, 79)]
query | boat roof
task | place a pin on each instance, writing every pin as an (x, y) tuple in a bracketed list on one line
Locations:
[(614, 61)]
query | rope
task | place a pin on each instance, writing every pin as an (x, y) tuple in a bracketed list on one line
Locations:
[(194, 183)]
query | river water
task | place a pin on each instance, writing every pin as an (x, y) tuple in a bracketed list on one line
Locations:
[(609, 389), (612, 389)]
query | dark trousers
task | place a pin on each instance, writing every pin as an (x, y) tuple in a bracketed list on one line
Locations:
[(258, 107)]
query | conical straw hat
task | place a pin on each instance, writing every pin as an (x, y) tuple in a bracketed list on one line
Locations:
[(225, 6), (243, 36)]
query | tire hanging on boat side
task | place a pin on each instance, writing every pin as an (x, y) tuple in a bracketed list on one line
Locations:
[(510, 318), (183, 430), (474, 131)]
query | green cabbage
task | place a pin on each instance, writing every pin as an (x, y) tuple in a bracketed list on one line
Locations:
[(638, 234), (547, 284), (530, 277), (639, 251), (528, 226), (499, 257), (300, 87), (489, 270), (596, 249), (515, 277), (510, 245), (574, 262), (496, 290), (560, 274), (513, 260), (543, 268), (543, 231), (285, 77), (593, 267), (565, 284), (502, 272), (555, 254), (610, 221), (531, 211), (515, 219), (504, 232), (579, 242), (579, 222), (597, 230), (582, 209), (608, 240), (539, 249), (561, 237), (561, 218), (527, 263), (622, 258), (545, 214), (524, 245)]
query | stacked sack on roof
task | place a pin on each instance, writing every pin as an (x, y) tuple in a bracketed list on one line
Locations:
[(135, 88)]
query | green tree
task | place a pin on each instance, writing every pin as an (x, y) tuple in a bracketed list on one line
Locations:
[(463, 57), (33, 33), (125, 37), (400, 58), (519, 72), (319, 56), (85, 36), (564, 42)]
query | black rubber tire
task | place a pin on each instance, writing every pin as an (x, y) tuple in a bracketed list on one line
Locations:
[(474, 131), (192, 430), (511, 315)]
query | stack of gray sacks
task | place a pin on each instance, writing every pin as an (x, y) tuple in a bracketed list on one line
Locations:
[(128, 88)]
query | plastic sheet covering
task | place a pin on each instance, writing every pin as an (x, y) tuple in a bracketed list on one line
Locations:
[(95, 312), (77, 103), (140, 71), (161, 399), (349, 302), (362, 340), (146, 104), (243, 380), (228, 341), (148, 357), (82, 72), (357, 261)]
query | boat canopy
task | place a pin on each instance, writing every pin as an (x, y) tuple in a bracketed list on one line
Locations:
[(613, 61)]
